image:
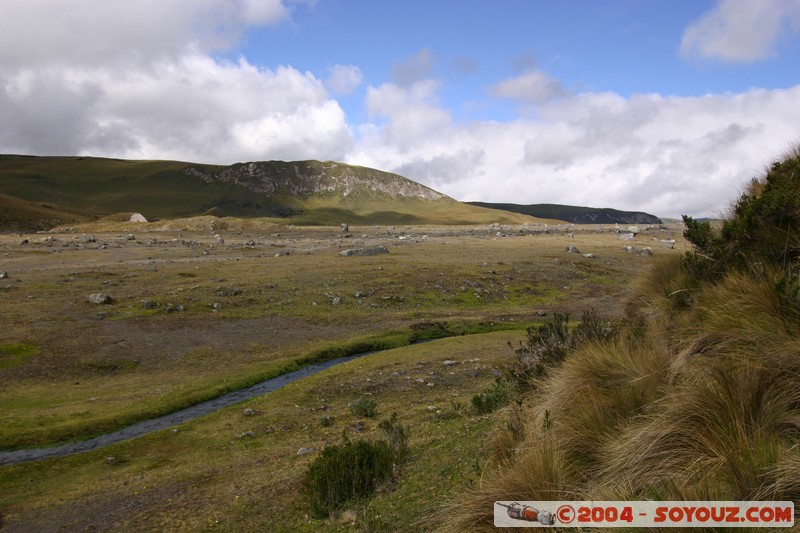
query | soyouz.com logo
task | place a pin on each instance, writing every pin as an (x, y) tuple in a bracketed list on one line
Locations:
[(765, 514)]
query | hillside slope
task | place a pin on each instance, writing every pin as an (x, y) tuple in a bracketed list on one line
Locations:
[(695, 396), (301, 192), (575, 214), (21, 215)]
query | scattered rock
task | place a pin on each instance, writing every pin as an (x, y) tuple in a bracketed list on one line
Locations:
[(646, 252), (149, 304), (369, 250), (304, 451), (137, 217), (629, 249), (3, 275), (24, 241), (88, 238), (246, 435), (174, 308), (449, 363), (668, 244), (129, 237), (336, 301), (625, 236), (359, 294), (590, 256), (344, 227), (571, 249), (541, 312), (249, 412), (100, 298), (633, 229), (111, 460)]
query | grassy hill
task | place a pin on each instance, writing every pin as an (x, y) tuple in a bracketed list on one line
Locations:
[(21, 215), (304, 192), (575, 214)]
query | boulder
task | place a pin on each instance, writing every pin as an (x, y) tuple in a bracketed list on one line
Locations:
[(100, 298), (646, 252), (137, 217), (668, 244), (344, 227), (369, 250)]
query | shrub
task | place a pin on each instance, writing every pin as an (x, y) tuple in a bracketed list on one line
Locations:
[(366, 407), (491, 399), (352, 470), (548, 344), (397, 436)]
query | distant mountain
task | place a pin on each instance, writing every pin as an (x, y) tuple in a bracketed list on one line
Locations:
[(300, 192), (576, 215)]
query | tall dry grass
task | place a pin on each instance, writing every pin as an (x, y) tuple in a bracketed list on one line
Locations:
[(699, 399)]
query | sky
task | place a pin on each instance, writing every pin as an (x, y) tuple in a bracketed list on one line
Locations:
[(663, 106)]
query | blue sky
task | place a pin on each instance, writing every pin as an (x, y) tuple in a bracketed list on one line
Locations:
[(663, 106)]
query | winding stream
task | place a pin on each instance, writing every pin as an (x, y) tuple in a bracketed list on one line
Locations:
[(172, 419)]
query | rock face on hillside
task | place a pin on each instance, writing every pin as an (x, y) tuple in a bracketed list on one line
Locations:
[(301, 178)]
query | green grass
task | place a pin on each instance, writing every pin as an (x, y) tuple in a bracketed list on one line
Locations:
[(16, 354), (255, 481)]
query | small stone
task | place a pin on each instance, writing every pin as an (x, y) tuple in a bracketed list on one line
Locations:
[(449, 363), (430, 384), (336, 301), (668, 244), (24, 241), (541, 312), (246, 435), (646, 252), (344, 227), (571, 249), (3, 275), (249, 412), (304, 451), (111, 460)]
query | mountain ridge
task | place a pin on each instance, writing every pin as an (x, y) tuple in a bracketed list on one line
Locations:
[(297, 192), (575, 214)]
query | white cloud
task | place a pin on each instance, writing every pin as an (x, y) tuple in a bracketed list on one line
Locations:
[(665, 155), (99, 32), (343, 79), (741, 30), (135, 79), (533, 87)]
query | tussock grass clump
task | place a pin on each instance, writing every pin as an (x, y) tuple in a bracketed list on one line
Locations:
[(366, 407), (698, 399)]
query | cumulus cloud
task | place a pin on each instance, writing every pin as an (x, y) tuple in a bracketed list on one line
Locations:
[(532, 87), (137, 80), (343, 79), (665, 155), (741, 30)]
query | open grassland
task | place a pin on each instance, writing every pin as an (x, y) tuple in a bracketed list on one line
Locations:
[(202, 306)]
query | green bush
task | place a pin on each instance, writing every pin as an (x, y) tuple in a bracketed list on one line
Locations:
[(366, 407), (352, 470), (546, 345), (492, 399)]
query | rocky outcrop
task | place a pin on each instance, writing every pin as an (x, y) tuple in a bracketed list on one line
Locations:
[(301, 178)]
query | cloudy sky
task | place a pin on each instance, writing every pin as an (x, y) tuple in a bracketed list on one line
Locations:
[(666, 106)]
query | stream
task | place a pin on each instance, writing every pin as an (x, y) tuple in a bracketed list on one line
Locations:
[(173, 419)]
